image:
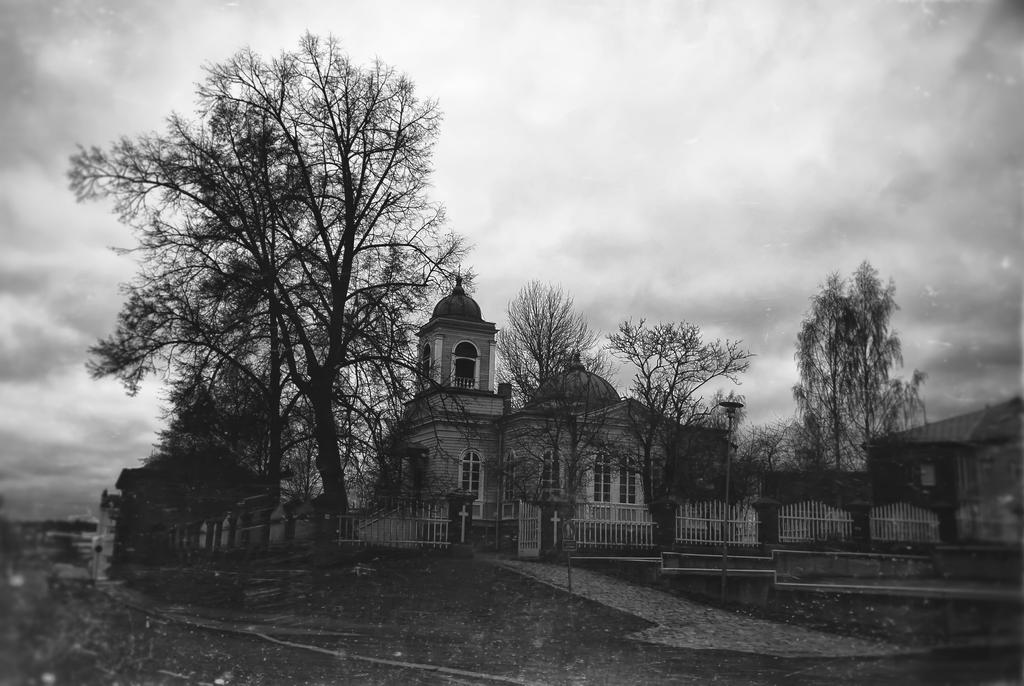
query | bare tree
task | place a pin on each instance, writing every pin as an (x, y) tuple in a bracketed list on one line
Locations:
[(846, 352), (543, 331), (771, 446), (310, 172), (673, 367)]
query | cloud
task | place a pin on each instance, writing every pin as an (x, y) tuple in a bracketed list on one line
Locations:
[(708, 162), (66, 437)]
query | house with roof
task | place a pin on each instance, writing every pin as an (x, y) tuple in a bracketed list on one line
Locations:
[(462, 434), (156, 501), (967, 468)]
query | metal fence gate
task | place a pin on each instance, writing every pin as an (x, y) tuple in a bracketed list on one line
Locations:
[(529, 530)]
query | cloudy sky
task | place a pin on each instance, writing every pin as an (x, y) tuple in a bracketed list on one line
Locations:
[(698, 161)]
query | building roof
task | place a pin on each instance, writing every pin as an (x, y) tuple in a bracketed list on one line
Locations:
[(994, 424), (578, 387), (458, 305)]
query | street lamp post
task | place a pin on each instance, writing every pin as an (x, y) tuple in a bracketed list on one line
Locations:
[(730, 410)]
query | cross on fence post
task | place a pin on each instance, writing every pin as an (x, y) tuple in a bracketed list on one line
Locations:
[(462, 516), (555, 519)]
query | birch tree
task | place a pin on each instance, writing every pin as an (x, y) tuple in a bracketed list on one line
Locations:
[(846, 354)]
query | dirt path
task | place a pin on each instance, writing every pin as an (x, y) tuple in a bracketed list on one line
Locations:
[(431, 620), (685, 624)]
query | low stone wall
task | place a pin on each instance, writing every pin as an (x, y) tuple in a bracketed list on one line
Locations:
[(986, 563), (752, 591), (809, 565)]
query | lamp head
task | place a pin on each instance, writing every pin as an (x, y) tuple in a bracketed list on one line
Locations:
[(730, 406)]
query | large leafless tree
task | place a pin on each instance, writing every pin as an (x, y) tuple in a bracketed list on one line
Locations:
[(301, 183), (672, 396), (543, 331)]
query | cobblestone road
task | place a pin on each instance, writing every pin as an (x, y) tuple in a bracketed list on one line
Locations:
[(685, 624)]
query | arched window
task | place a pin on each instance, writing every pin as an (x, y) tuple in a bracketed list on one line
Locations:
[(425, 363), (464, 363), (471, 475)]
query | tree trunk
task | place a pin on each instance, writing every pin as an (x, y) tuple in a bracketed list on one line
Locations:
[(275, 425), (328, 460)]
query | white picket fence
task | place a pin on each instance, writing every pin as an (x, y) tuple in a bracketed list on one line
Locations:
[(410, 525), (607, 525), (702, 523), (814, 521), (904, 523)]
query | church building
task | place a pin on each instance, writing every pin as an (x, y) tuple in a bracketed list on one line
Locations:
[(463, 435)]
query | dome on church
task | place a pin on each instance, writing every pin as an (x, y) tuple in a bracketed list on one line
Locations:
[(578, 387), (458, 305)]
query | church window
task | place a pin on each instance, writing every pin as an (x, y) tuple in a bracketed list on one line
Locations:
[(549, 476), (927, 474), (602, 479), (471, 478), (465, 360), (654, 475), (425, 363), (627, 486), (508, 491)]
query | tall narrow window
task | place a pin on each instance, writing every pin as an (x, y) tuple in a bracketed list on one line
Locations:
[(602, 479), (549, 477), (465, 359), (508, 489), (927, 474), (627, 486), (655, 474), (425, 363), (471, 473)]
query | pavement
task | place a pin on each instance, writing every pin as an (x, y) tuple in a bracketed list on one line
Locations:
[(682, 623)]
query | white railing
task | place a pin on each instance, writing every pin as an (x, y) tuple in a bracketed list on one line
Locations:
[(412, 525), (814, 521), (607, 525), (701, 523), (463, 382), (905, 523), (529, 530), (613, 512)]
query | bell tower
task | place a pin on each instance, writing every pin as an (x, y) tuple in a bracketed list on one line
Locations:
[(456, 347)]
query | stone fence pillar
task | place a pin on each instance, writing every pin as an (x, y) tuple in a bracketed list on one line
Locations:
[(767, 510), (948, 532), (860, 513), (663, 512)]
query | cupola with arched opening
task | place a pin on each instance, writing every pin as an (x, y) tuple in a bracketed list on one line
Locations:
[(456, 347)]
